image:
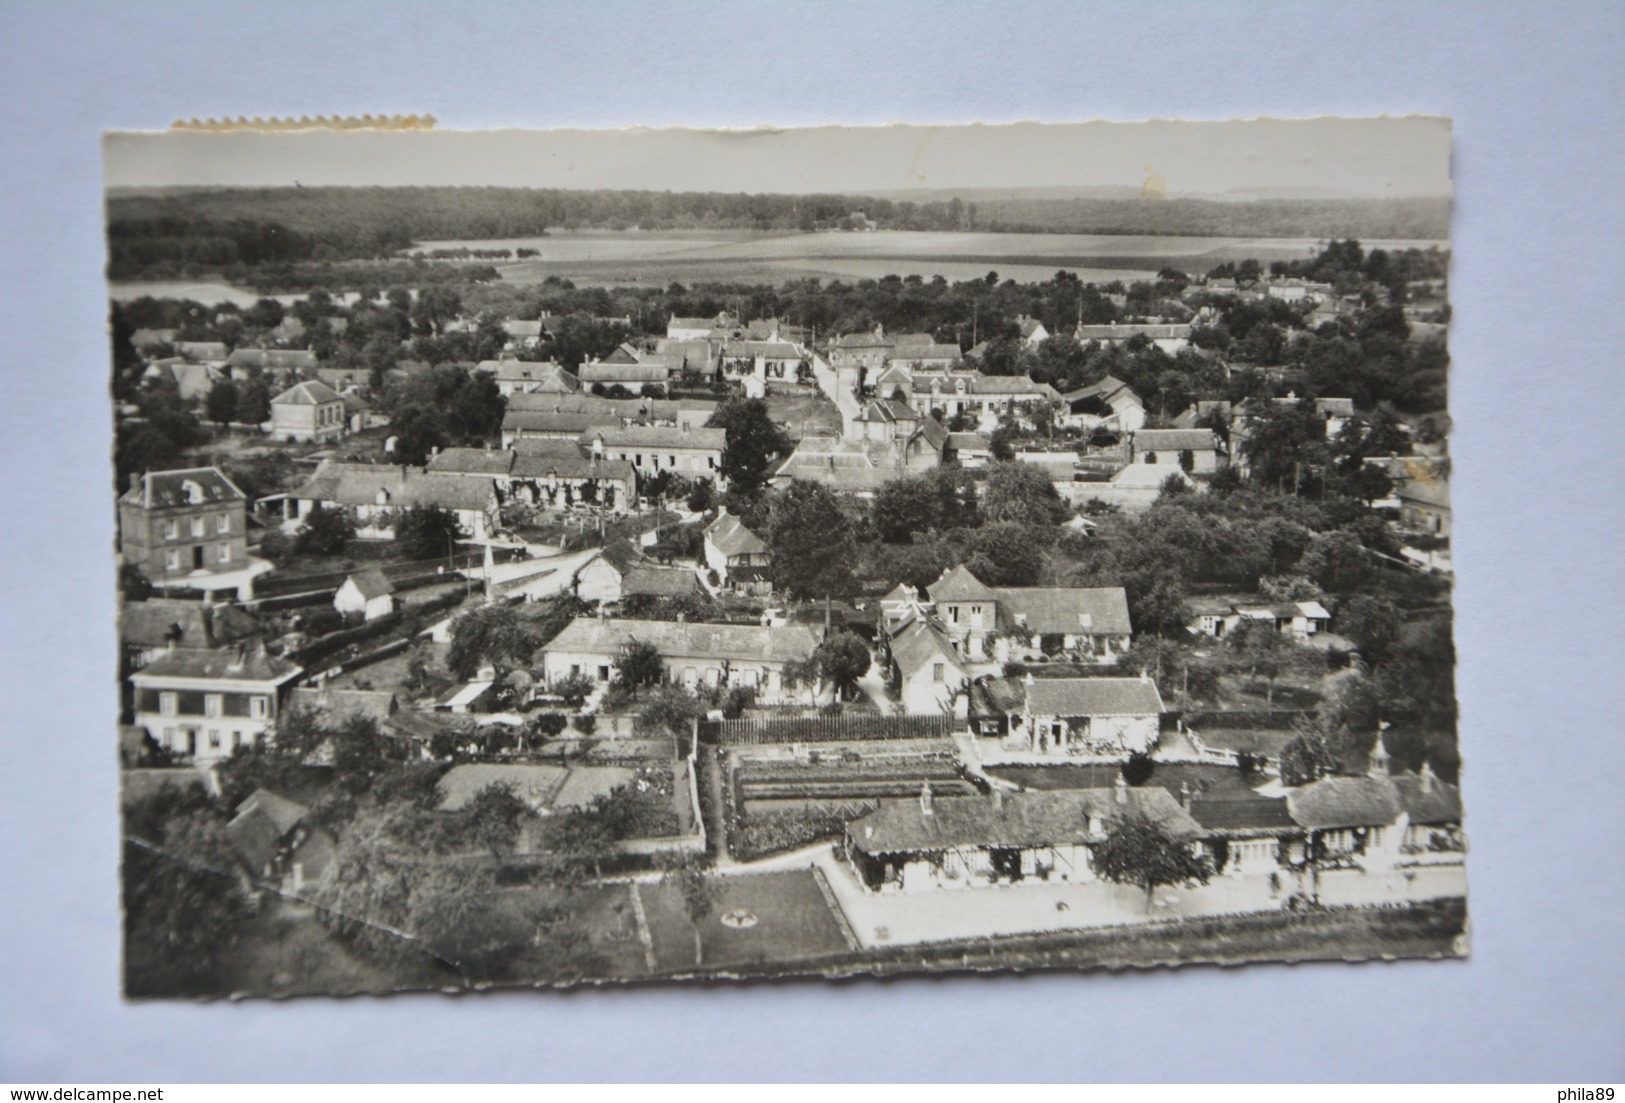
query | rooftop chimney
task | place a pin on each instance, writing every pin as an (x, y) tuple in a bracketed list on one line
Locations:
[(1426, 776), (1379, 755), (998, 800), (1122, 789), (1145, 676), (925, 799)]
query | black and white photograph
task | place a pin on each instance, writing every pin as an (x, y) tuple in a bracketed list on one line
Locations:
[(558, 558)]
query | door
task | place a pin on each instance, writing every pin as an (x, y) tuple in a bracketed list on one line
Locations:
[(197, 558)]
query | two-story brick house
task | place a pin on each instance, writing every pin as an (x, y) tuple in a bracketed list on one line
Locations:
[(186, 528)]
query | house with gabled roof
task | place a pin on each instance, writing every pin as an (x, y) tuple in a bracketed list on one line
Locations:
[(740, 558), (375, 493), (1108, 403), (308, 411), (528, 377), (692, 329), (204, 704), (1246, 835), (1167, 446), (722, 655), (1067, 716), (692, 453), (929, 672), (1168, 338), (599, 375), (365, 595), (984, 620), (279, 842), (558, 476), (931, 842)]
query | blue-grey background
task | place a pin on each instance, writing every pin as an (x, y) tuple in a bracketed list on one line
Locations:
[(1535, 90)]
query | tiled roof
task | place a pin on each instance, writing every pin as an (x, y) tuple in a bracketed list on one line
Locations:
[(624, 373), (659, 436), (1061, 611), (1094, 697), (1175, 440), (372, 583), (572, 422), (887, 410), (471, 461), (958, 584), (545, 446), (768, 350), (924, 352), (1101, 389), (659, 581), (1344, 802), (271, 358), (731, 537), (182, 487), (548, 375), (242, 663), (158, 622), (1057, 818), (921, 642), (360, 485), (310, 393), (970, 442), (1242, 815), (687, 640), (1430, 802)]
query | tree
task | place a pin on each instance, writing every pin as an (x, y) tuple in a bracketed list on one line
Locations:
[(918, 504), (1306, 758), (1139, 851), (358, 753), (1007, 554), (494, 817), (701, 495), (1372, 624), (574, 689), (753, 441), (424, 532), (183, 907), (1021, 494), (1138, 768), (639, 664), (1001, 442), (811, 543), (698, 894), (221, 405), (324, 532), (841, 660), (490, 634), (253, 401), (1263, 651)]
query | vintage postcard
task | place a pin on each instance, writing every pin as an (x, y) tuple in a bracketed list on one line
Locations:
[(559, 557)]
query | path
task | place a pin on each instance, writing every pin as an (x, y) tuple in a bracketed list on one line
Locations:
[(710, 780), (873, 685)]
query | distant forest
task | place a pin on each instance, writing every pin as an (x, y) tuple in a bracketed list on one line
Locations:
[(194, 233)]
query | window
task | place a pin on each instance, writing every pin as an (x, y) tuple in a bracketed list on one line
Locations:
[(224, 554), (258, 707), (168, 704), (638, 459), (223, 523), (211, 705), (197, 526), (172, 529), (214, 739), (172, 560), (938, 672)]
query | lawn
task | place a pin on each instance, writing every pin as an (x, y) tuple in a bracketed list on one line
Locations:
[(784, 917)]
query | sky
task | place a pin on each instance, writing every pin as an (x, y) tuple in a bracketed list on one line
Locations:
[(1361, 157)]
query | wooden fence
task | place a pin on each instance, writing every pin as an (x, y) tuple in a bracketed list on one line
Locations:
[(754, 730)]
